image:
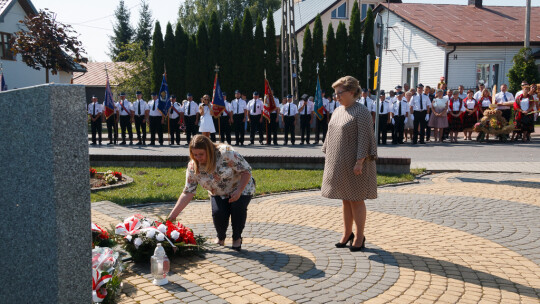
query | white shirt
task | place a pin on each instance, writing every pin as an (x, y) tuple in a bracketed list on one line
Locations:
[(525, 103), (332, 105), (386, 106), (325, 103), (289, 109), (154, 111), (485, 101), (178, 107), (276, 102), (190, 108), (470, 103), (144, 107), (478, 95), (404, 107), (95, 108), (368, 103), (499, 98), (127, 105), (309, 104), (420, 102), (238, 106), (462, 95), (255, 107), (227, 108), (457, 105)]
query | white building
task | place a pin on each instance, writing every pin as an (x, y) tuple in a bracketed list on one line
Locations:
[(16, 72), (467, 44)]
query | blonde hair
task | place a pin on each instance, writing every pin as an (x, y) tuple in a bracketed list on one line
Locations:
[(350, 84), (203, 143)]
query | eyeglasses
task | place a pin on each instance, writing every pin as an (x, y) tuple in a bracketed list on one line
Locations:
[(340, 92)]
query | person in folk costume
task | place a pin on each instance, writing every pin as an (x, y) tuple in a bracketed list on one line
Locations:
[(240, 116), (140, 107), (225, 121), (456, 109), (176, 119), (95, 111), (409, 123), (523, 120), (471, 115), (534, 93), (400, 115), (438, 120), (191, 117), (485, 101)]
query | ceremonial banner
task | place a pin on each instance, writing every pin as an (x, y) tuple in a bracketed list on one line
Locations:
[(320, 110), (164, 103), (269, 103), (218, 104), (108, 102), (3, 86)]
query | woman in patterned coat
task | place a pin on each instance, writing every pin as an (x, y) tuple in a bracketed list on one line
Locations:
[(349, 169)]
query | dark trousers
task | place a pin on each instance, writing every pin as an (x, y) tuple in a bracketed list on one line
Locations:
[(216, 127), (289, 128), (222, 210), (305, 128), (156, 127), (272, 129), (191, 128), (322, 125), (419, 121), (140, 128), (383, 132), (399, 127), (239, 130), (96, 129), (125, 124), (112, 129), (174, 130), (225, 129), (507, 114), (255, 126)]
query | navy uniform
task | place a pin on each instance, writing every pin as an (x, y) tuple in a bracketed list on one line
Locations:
[(420, 105), (176, 118), (322, 124), (385, 107), (305, 108), (126, 117), (273, 123), (368, 103), (240, 114), (112, 126), (95, 111), (191, 112), (255, 108), (140, 109), (156, 120), (400, 113), (289, 112), (332, 106), (225, 121)]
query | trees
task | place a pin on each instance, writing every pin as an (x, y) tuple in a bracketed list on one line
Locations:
[(356, 69), (524, 68), (170, 58), (318, 47), (123, 33), (367, 45), (47, 43), (143, 33), (258, 57), (192, 68), (135, 75), (203, 61), (180, 52), (157, 57), (330, 66), (270, 59), (307, 73), (227, 79), (246, 52), (237, 55), (341, 50), (213, 35)]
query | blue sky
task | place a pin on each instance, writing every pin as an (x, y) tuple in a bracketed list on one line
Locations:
[(93, 19)]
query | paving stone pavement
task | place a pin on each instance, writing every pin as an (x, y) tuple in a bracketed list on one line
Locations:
[(450, 238)]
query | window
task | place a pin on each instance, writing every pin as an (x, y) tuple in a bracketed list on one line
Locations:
[(488, 73), (365, 9), (5, 50), (340, 12), (411, 75)]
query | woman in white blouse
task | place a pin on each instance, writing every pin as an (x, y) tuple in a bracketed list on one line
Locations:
[(227, 177), (524, 118), (455, 115), (206, 125)]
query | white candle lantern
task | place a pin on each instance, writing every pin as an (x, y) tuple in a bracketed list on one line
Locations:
[(159, 265)]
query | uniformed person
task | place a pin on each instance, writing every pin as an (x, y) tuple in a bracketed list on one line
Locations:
[(305, 108), (95, 111), (176, 118), (368, 103), (191, 115), (290, 112), (140, 109), (332, 105), (126, 118), (156, 119), (112, 125), (400, 114), (225, 121), (255, 107), (273, 123), (240, 115), (322, 124), (385, 108)]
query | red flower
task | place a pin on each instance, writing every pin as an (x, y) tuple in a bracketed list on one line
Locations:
[(92, 171), (117, 174)]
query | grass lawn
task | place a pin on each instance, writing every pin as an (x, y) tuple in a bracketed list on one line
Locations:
[(166, 184)]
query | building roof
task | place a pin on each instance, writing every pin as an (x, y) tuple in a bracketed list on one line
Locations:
[(95, 74), (27, 5), (468, 25)]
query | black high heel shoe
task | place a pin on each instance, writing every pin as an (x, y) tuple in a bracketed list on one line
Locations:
[(238, 248), (353, 249), (349, 240)]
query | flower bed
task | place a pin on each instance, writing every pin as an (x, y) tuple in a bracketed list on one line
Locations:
[(106, 180)]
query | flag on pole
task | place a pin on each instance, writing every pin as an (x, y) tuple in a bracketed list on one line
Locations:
[(3, 86), (269, 102), (164, 103), (319, 106), (218, 104), (108, 102)]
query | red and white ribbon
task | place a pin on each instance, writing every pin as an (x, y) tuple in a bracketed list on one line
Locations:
[(99, 293)]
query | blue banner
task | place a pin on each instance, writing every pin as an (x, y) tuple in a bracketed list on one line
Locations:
[(164, 103), (319, 106)]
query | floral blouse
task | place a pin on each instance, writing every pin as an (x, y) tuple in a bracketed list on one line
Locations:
[(225, 179)]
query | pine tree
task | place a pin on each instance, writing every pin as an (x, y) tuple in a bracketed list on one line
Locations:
[(524, 68), (192, 69), (307, 72), (271, 65), (143, 33), (341, 51), (181, 41), (213, 35), (170, 58), (226, 72), (247, 59), (157, 57), (258, 52), (318, 49), (123, 33), (355, 45), (206, 80), (237, 56), (367, 45), (330, 66)]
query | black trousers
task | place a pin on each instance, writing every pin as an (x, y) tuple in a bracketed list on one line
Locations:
[(140, 127), (255, 126), (399, 128), (112, 129), (239, 131), (322, 125), (507, 113), (289, 128), (174, 130), (225, 129), (125, 123), (96, 129), (156, 127), (191, 128), (272, 128), (222, 210), (216, 127), (419, 120), (383, 132), (305, 128)]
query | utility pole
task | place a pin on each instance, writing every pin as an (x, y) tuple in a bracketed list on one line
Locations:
[(527, 41), (289, 61)]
